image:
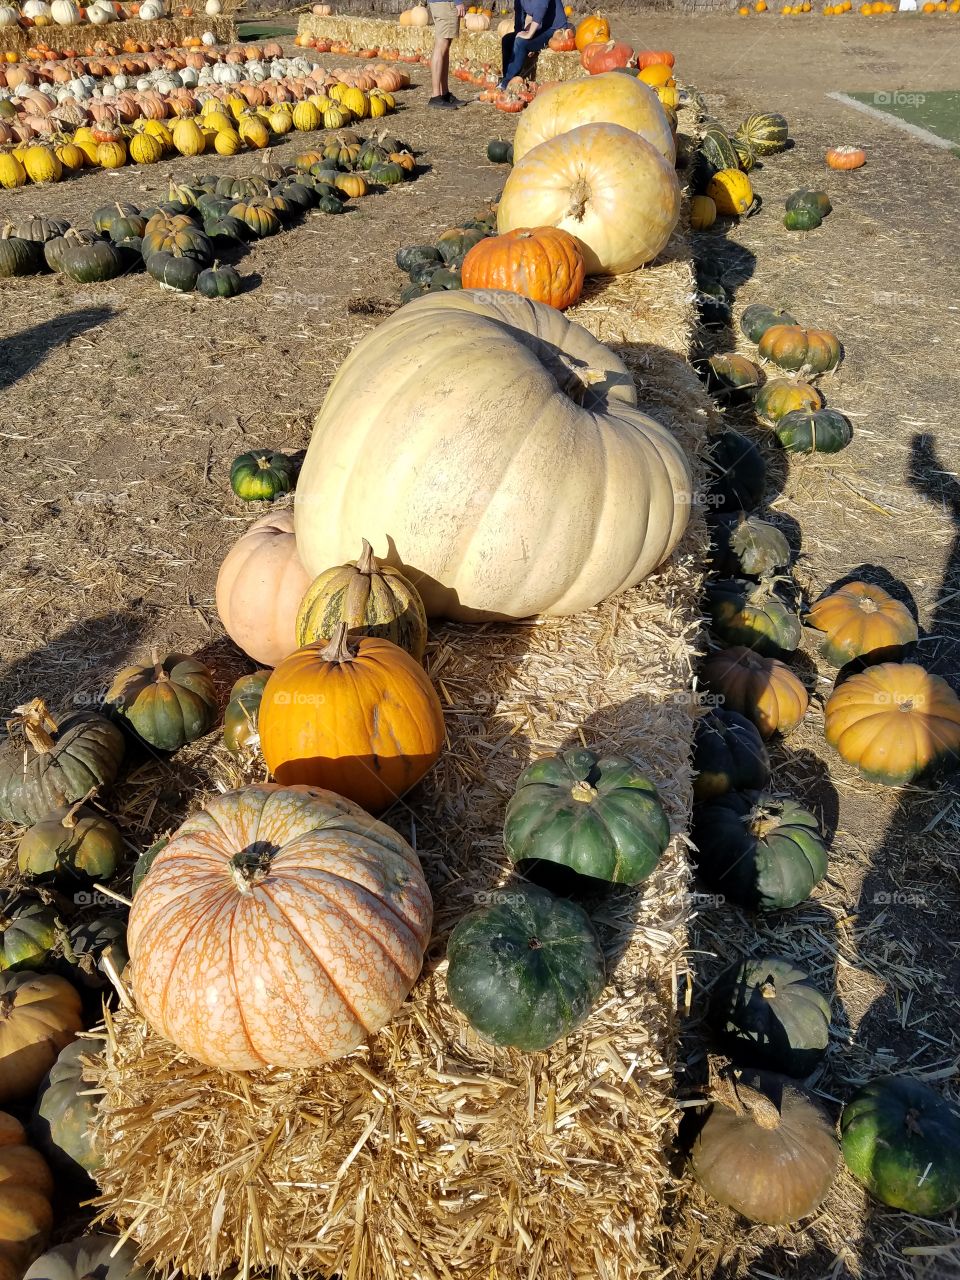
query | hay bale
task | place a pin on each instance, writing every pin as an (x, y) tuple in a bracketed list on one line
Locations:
[(15, 40)]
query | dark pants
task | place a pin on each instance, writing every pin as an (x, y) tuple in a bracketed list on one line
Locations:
[(515, 50)]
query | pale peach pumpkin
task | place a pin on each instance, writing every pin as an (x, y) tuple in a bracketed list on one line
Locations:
[(26, 1186), (279, 926), (259, 589), (39, 1015), (611, 98)]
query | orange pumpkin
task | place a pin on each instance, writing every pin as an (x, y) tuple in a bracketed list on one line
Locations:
[(259, 589), (544, 263), (278, 926), (655, 58), (592, 30), (358, 716), (26, 1186), (845, 157), (563, 40), (39, 1016), (860, 618), (762, 689), (607, 56), (894, 722)]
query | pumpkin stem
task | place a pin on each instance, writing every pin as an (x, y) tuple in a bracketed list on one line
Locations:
[(158, 672), (583, 792), (6, 1005), (37, 723), (338, 648), (762, 821), (367, 562), (749, 1101), (579, 195), (69, 819), (768, 988), (251, 866)]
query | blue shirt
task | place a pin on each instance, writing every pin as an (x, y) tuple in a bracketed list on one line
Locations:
[(547, 13)]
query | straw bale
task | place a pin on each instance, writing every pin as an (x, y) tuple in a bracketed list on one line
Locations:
[(15, 40)]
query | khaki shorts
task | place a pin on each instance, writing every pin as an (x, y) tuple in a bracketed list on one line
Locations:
[(446, 22)]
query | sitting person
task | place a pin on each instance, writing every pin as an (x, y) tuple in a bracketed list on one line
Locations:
[(534, 22)]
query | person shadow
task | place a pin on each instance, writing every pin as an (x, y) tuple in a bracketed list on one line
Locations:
[(21, 352)]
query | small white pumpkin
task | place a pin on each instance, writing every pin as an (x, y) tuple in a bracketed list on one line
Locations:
[(36, 9), (99, 15), (209, 39), (212, 8), (9, 17), (150, 11), (65, 13)]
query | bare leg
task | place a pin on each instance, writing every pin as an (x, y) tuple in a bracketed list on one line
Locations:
[(440, 67)]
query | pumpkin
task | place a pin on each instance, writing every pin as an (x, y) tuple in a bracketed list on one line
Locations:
[(90, 1255), (414, 255), (527, 969), (802, 220), (26, 1188), (307, 918), (454, 245), (64, 1118), (754, 615), (861, 619), (845, 157), (817, 202), (500, 152), (372, 598), (39, 1015), (58, 764), (605, 185), (474, 524), (894, 722), (739, 473), (91, 263), (241, 718), (901, 1140), (358, 716), (591, 30), (767, 133), (814, 431), (749, 546), (598, 815), (19, 257), (715, 152), (802, 351), (167, 703), (262, 220), (771, 1154), (145, 149), (746, 156), (761, 852), (769, 1014), (262, 475), (762, 689), (12, 172), (219, 281), (28, 933), (603, 56), (177, 272), (703, 213), (544, 264), (71, 842), (259, 588), (728, 755), (730, 372), (731, 192), (780, 396), (758, 318)]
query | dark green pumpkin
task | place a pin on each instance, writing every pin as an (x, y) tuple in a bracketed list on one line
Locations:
[(371, 153), (262, 475), (759, 851), (728, 755), (410, 292), (146, 861), (260, 217), (168, 703), (454, 244), (53, 249), (241, 733), (94, 947), (598, 815), (329, 204), (38, 229), (499, 152), (755, 615), (20, 257), (717, 151), (802, 220), (901, 1139), (758, 318), (71, 842), (57, 766), (808, 201), (769, 1014), (28, 933), (814, 431), (766, 132), (414, 255), (747, 545), (740, 474), (180, 274), (299, 195), (386, 174), (65, 1117), (92, 263), (444, 279), (214, 207), (525, 970), (104, 217), (219, 281), (130, 226), (241, 188), (325, 173), (423, 272)]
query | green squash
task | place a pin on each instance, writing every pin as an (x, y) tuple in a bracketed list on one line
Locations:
[(414, 255), (92, 263), (28, 933), (455, 244), (181, 242), (755, 615), (806, 201), (90, 1257), (38, 229), (65, 1116), (329, 204), (70, 843), (526, 970), (57, 765), (370, 154), (260, 217), (767, 133), (219, 281), (769, 1014), (444, 279), (745, 153), (20, 257), (168, 703), (229, 229), (814, 431), (732, 373), (130, 226), (598, 815), (241, 188), (146, 861), (386, 174), (802, 220), (104, 218), (241, 733), (499, 152), (728, 755), (298, 195), (747, 545), (179, 274), (423, 272), (717, 151), (262, 475), (410, 292), (758, 318), (53, 249), (759, 851), (740, 474), (94, 947), (214, 207), (901, 1139)]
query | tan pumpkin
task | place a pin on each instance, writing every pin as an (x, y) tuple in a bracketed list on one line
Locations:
[(526, 482), (39, 1015), (764, 690), (606, 186), (26, 1186), (280, 926), (861, 618), (259, 589), (611, 98)]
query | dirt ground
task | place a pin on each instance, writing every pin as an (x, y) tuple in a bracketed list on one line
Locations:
[(121, 407)]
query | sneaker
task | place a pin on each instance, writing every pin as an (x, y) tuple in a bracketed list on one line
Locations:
[(451, 101), (442, 102)]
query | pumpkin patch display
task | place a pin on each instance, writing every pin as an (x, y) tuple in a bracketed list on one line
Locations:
[(901, 1140), (262, 475), (70, 843), (568, 432), (760, 688), (728, 755), (860, 619), (26, 1190), (771, 1154), (753, 614), (598, 815), (39, 1015), (769, 1014), (526, 970), (307, 917), (894, 722), (542, 263), (167, 703)]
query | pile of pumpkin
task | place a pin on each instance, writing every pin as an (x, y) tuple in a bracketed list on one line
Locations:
[(723, 161), (65, 13)]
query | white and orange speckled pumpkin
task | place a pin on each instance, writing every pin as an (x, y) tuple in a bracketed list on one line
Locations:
[(279, 926)]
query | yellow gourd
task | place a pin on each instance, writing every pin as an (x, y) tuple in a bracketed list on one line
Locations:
[(703, 213), (71, 156), (731, 192), (111, 155), (254, 132), (306, 117), (42, 164), (227, 143), (145, 149), (355, 100), (12, 172), (188, 137)]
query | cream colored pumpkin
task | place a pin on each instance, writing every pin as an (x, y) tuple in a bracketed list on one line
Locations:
[(259, 589), (279, 925), (526, 482), (419, 15), (606, 186), (611, 98)]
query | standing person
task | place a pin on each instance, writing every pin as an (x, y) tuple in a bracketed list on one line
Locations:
[(446, 28), (534, 22)]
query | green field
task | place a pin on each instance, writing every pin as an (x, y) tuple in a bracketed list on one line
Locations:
[(266, 30), (937, 112)]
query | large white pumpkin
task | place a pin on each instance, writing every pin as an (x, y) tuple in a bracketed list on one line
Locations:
[(493, 451), (603, 184), (611, 98), (9, 16), (65, 13)]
